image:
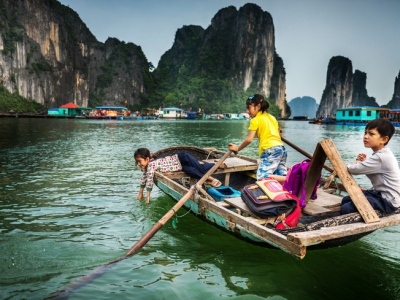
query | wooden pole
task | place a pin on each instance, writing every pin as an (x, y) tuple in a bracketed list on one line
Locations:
[(63, 294), (306, 154)]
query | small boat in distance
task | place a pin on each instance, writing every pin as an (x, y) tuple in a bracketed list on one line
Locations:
[(320, 225), (300, 118)]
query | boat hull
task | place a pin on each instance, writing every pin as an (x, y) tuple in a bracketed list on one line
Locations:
[(315, 232)]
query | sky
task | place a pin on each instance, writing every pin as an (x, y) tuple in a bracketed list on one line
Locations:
[(308, 33)]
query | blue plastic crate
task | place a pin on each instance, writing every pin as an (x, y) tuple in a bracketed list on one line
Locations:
[(222, 192)]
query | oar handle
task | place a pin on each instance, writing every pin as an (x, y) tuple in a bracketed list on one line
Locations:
[(326, 167)]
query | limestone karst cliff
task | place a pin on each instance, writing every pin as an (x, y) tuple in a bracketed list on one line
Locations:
[(343, 88), (360, 94), (234, 57), (395, 101), (49, 55)]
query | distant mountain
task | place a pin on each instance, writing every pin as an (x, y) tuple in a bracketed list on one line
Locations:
[(303, 106)]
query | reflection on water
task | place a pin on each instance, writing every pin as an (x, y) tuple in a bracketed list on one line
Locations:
[(67, 206)]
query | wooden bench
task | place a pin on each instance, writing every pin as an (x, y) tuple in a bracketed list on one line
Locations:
[(233, 164)]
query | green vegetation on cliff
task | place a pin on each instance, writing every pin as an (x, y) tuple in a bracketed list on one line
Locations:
[(197, 72), (13, 101), (10, 28)]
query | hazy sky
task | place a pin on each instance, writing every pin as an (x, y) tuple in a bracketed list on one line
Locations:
[(308, 33)]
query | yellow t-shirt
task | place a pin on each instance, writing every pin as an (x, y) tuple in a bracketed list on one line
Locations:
[(267, 130)]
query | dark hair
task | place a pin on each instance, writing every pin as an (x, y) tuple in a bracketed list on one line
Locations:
[(258, 99), (142, 153), (384, 128)]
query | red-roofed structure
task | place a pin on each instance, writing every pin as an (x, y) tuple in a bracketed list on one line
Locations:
[(69, 105)]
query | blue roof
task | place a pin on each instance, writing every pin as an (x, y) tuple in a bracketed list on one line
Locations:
[(172, 108), (53, 109), (363, 107)]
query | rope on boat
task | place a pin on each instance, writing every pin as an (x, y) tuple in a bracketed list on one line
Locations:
[(175, 219), (196, 195), (209, 153)]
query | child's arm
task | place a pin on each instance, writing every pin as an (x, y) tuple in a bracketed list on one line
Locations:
[(370, 165), (244, 144), (140, 195), (148, 196)]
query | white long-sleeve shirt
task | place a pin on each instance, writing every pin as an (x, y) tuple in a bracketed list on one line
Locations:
[(383, 170)]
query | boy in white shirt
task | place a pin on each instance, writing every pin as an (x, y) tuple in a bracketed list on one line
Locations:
[(381, 168)]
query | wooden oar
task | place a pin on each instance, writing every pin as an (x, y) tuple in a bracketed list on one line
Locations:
[(326, 167), (63, 294)]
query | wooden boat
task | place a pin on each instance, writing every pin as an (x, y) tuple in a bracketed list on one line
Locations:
[(320, 225)]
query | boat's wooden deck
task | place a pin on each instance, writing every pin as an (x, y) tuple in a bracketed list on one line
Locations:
[(320, 224), (325, 204)]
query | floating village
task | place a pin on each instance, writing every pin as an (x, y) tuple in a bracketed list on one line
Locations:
[(352, 116)]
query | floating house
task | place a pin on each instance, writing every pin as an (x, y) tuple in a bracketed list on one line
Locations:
[(83, 111), (394, 115), (191, 115), (66, 110), (230, 116), (172, 113), (147, 112), (360, 114), (53, 111), (244, 116)]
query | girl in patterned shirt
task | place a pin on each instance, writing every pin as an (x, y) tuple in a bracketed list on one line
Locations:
[(179, 162)]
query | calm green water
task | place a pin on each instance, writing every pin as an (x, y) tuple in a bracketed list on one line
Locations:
[(67, 206)]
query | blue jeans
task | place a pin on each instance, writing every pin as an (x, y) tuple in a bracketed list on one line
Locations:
[(373, 197), (272, 162), (191, 166)]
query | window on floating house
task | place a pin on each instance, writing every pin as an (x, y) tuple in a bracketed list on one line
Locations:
[(358, 113), (350, 113), (369, 113)]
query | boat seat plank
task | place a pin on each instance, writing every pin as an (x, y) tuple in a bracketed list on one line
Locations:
[(234, 162), (313, 209), (326, 200), (238, 203)]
